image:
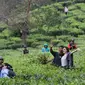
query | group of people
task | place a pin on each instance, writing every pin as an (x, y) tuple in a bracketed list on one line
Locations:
[(64, 57), (6, 70)]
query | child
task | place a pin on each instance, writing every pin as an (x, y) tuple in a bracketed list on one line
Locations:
[(45, 48)]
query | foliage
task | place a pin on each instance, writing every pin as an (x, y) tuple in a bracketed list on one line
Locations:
[(43, 58), (29, 69), (56, 41)]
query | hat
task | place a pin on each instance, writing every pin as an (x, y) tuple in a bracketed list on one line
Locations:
[(45, 44), (1, 58)]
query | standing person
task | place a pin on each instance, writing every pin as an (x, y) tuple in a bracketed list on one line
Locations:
[(66, 10), (57, 55), (45, 48), (72, 46), (66, 60), (1, 64)]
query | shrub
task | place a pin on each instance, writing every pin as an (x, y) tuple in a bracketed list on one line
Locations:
[(80, 18), (64, 38), (75, 24), (15, 46), (6, 33), (35, 44), (15, 32), (82, 26), (75, 32), (44, 38), (3, 26), (56, 42), (43, 58), (2, 36), (30, 41), (15, 39)]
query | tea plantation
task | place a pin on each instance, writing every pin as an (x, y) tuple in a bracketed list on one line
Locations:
[(49, 25)]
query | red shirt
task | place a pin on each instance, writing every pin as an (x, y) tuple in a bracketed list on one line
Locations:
[(72, 46)]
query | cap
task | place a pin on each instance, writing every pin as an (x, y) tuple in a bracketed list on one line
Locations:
[(45, 44), (1, 58)]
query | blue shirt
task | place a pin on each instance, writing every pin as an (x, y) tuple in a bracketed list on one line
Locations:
[(45, 49)]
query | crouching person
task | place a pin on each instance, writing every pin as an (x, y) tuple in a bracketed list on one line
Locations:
[(7, 71)]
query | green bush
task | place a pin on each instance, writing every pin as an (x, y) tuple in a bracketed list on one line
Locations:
[(70, 20), (3, 26), (44, 38), (35, 44), (2, 36), (15, 46), (82, 26), (43, 58), (81, 6), (6, 33), (47, 15), (80, 18), (79, 1), (64, 38), (15, 39), (30, 41), (15, 32), (56, 42), (75, 32), (75, 24)]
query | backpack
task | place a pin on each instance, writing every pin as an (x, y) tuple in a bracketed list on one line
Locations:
[(11, 73)]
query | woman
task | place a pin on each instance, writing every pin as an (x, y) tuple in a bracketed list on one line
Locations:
[(66, 60)]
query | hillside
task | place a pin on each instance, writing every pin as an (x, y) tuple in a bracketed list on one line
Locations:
[(47, 24)]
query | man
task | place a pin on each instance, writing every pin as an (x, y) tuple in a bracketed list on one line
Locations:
[(45, 48), (57, 55), (1, 63)]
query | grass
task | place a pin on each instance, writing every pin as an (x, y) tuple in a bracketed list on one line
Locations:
[(30, 72), (28, 68)]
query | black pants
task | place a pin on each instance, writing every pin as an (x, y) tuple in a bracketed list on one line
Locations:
[(71, 63), (66, 13)]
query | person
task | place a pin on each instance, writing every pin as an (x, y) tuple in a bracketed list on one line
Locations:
[(1, 63), (66, 60), (72, 45), (7, 71), (45, 48), (66, 10), (57, 56), (25, 51)]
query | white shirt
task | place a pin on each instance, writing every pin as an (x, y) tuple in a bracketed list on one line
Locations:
[(64, 60), (4, 73), (65, 9)]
